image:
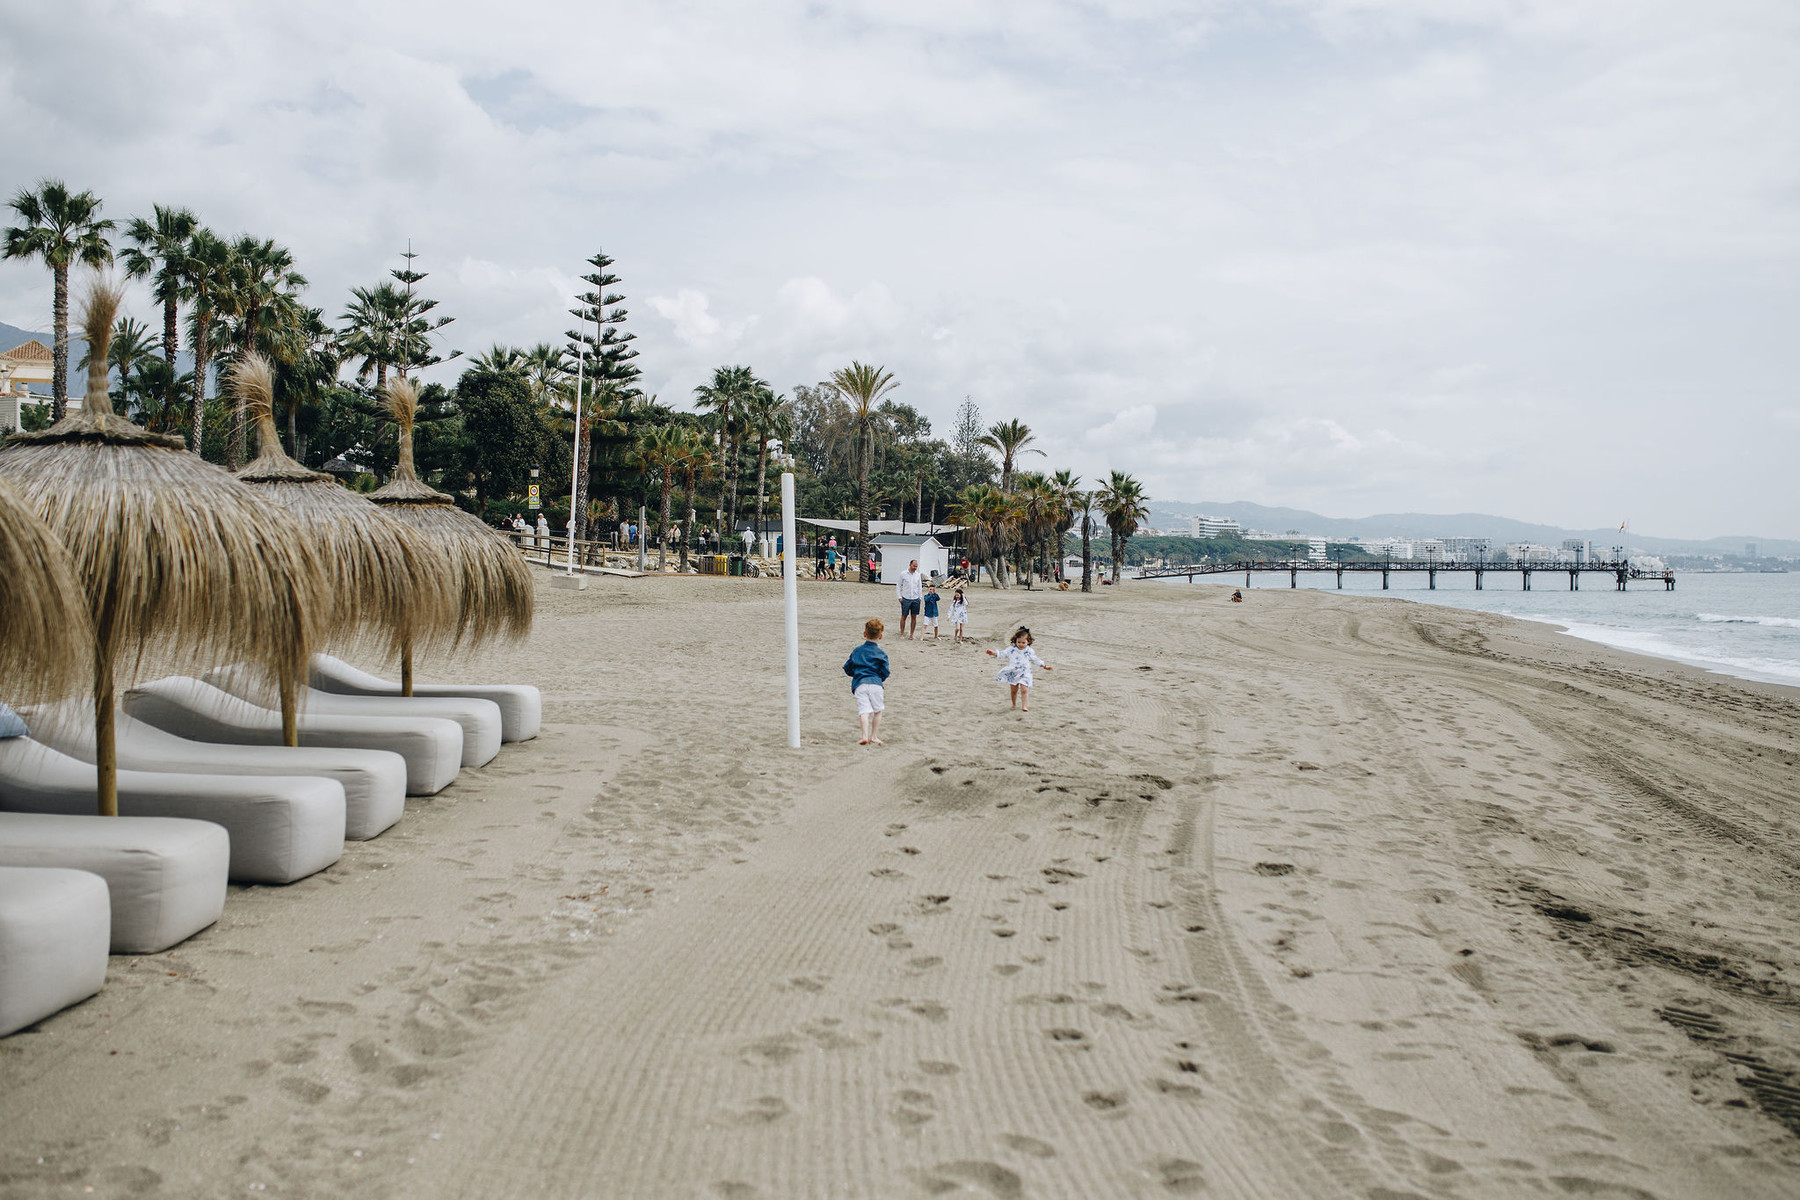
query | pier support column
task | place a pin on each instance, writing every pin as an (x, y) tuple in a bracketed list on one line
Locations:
[(1574, 581), (1384, 579), (1340, 579), (1478, 579), (1293, 577), (1525, 581)]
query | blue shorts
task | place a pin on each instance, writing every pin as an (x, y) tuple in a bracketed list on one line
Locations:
[(909, 608)]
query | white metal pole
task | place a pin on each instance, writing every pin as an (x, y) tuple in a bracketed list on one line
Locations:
[(643, 515), (575, 458), (790, 587)]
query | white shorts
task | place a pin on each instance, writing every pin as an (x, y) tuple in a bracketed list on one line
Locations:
[(869, 699), (930, 620)]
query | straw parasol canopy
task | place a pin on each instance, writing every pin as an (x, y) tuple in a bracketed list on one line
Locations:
[(392, 586), (177, 558), (493, 584), (45, 653)]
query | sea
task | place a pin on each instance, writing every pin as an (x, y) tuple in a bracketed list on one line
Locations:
[(1741, 624)]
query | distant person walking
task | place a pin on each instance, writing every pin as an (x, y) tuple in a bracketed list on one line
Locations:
[(867, 668), (910, 590)]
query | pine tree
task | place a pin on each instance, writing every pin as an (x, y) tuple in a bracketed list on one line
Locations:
[(607, 351)]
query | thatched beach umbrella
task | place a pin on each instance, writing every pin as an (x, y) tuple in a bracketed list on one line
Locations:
[(45, 643), (392, 586), (176, 557), (493, 591)]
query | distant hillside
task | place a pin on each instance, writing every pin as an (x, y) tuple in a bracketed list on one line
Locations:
[(1173, 514)]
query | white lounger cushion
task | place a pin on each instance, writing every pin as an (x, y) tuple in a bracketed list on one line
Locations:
[(281, 829), (54, 928), (188, 708), (521, 705), (480, 719), (374, 780), (166, 877)]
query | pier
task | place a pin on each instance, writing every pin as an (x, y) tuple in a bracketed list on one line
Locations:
[(1621, 571)]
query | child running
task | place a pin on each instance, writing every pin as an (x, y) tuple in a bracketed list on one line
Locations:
[(867, 668), (1016, 674), (931, 610), (959, 614)]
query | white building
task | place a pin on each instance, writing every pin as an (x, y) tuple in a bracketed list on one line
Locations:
[(19, 367), (1202, 526), (897, 549)]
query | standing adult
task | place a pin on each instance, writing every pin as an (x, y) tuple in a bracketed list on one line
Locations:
[(543, 533), (909, 589)]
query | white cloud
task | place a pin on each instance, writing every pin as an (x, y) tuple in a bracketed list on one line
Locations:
[(1355, 254)]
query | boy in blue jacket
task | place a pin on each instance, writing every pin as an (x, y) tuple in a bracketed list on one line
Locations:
[(867, 668)]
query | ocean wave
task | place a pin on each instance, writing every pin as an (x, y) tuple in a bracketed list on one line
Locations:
[(1767, 622), (1766, 670)]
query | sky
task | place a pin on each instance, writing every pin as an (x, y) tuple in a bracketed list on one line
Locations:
[(1529, 257)]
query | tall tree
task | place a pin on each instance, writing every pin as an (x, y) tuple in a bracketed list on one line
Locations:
[(1086, 503), (1122, 503), (1009, 439), (726, 396), (159, 252), (259, 307), (417, 324), (864, 386), (206, 277), (1067, 488), (371, 330), (659, 450), (766, 416), (59, 228), (305, 370), (608, 353)]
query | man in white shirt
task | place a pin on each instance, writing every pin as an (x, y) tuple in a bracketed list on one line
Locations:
[(910, 589)]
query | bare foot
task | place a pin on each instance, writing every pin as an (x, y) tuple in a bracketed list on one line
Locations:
[(877, 742), (862, 741)]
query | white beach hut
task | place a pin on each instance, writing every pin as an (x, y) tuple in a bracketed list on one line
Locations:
[(898, 549)]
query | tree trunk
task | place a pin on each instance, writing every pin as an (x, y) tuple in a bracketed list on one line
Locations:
[(1087, 552), (587, 457), (197, 409), (234, 450), (731, 512), (59, 352), (380, 380), (662, 538), (687, 533), (171, 344), (1119, 563), (293, 431), (862, 504), (762, 482)]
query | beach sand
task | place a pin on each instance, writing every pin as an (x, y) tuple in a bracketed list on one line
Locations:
[(1309, 896)]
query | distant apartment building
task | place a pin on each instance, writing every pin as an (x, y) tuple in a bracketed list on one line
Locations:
[(1202, 526), (1467, 549), (1579, 549), (1315, 549)]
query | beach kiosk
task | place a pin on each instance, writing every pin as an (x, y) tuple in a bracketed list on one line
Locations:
[(898, 549)]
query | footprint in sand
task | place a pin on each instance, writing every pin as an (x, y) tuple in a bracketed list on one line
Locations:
[(931, 1067), (1028, 1145), (1180, 1176), (972, 1174)]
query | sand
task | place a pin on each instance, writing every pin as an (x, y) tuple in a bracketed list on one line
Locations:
[(1310, 896)]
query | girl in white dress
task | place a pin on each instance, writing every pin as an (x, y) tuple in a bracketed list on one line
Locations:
[(959, 615), (1016, 674)]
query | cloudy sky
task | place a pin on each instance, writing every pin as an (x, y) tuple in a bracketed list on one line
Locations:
[(1531, 257)]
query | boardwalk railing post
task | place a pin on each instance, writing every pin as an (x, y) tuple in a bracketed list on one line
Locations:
[(790, 588)]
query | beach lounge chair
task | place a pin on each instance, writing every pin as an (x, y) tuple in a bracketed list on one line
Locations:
[(480, 719), (282, 829), (188, 708), (374, 780), (54, 928), (521, 705), (165, 877)]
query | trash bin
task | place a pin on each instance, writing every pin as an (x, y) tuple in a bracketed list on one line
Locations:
[(734, 564)]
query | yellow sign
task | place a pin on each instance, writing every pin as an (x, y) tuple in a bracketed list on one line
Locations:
[(531, 496)]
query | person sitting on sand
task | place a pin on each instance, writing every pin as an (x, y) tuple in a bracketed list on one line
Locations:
[(1237, 597), (867, 668), (1016, 674)]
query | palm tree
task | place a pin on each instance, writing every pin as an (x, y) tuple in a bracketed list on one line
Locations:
[(131, 345), (60, 228), (987, 514), (1122, 503), (1009, 439), (693, 461), (659, 448), (1035, 503), (206, 277), (501, 358), (1085, 502), (374, 331), (304, 370), (259, 304), (725, 397), (766, 415), (159, 252), (863, 386), (547, 368), (1067, 488)]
